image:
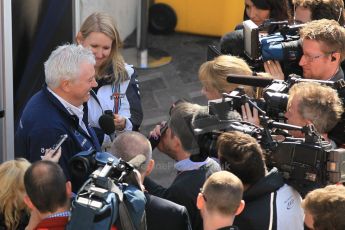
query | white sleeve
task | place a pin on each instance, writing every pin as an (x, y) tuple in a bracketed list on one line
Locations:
[(290, 214)]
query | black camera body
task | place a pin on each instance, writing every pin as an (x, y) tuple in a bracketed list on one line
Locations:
[(305, 163), (99, 203)]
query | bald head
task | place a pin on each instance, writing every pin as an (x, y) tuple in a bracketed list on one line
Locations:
[(131, 144)]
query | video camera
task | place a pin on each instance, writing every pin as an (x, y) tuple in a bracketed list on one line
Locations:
[(283, 44), (304, 162), (99, 203), (275, 97)]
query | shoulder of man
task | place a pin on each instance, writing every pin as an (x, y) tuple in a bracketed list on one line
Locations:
[(161, 211)]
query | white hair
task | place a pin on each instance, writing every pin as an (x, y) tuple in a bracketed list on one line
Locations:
[(64, 63)]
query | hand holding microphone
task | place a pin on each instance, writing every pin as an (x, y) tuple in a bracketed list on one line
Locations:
[(119, 122)]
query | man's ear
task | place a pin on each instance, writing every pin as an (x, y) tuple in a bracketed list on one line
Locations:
[(240, 208), (28, 202), (65, 85), (69, 189), (150, 167), (200, 202), (79, 38)]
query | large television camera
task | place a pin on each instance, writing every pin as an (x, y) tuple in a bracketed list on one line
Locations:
[(304, 162), (283, 44), (101, 201), (275, 97)]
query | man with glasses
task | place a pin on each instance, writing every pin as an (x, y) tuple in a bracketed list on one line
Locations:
[(323, 44), (308, 10)]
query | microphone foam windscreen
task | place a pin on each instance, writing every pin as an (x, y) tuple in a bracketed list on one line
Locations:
[(138, 160), (106, 123)]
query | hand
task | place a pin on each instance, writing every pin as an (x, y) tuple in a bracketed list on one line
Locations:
[(120, 122), (35, 219), (249, 116), (273, 67), (156, 132), (50, 156)]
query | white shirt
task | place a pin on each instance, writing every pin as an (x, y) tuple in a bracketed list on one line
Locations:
[(73, 110)]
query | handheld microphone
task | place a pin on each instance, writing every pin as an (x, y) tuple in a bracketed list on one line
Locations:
[(250, 80), (106, 122)]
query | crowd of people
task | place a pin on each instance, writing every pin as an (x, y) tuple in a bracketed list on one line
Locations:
[(232, 188)]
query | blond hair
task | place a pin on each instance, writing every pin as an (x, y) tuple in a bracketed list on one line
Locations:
[(12, 188), (104, 23), (214, 73), (223, 193), (327, 32), (326, 206), (318, 103)]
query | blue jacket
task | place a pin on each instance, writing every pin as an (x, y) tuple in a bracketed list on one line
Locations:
[(43, 120)]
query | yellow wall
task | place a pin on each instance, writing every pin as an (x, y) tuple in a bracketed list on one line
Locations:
[(207, 17)]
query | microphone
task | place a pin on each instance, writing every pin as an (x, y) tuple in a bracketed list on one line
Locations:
[(137, 161), (106, 122), (233, 115), (250, 80)]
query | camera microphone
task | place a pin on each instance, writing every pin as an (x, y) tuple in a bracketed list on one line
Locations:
[(137, 161), (106, 122), (249, 80)]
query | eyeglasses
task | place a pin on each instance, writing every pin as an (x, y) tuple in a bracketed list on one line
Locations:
[(311, 58)]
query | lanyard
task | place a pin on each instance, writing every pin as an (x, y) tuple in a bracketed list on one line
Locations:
[(116, 96)]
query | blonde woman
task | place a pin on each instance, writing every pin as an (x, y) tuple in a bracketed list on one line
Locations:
[(13, 212), (213, 75), (118, 89)]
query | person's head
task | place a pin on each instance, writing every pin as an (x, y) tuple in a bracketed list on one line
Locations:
[(220, 197), (12, 190), (213, 75), (312, 103), (98, 32), (241, 155), (308, 10), (131, 144), (323, 44), (70, 72), (46, 187), (260, 10), (179, 141), (324, 208)]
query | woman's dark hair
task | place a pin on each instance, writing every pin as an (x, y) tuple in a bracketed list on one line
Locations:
[(279, 9)]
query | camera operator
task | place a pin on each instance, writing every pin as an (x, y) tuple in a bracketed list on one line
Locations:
[(270, 203), (220, 200), (258, 11), (324, 208), (308, 10), (312, 103), (323, 44), (159, 211), (178, 142)]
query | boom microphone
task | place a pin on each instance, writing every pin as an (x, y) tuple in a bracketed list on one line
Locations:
[(249, 80)]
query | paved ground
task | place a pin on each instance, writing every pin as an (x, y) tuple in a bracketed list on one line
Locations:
[(162, 86)]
